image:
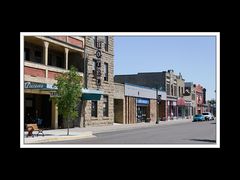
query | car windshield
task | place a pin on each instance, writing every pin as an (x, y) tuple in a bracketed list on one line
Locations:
[(198, 115)]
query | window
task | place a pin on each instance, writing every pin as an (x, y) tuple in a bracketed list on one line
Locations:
[(95, 41), (193, 97), (38, 56), (179, 93), (168, 89), (105, 71), (182, 91), (106, 43), (60, 61), (175, 90), (105, 106), (96, 68), (26, 54), (94, 109)]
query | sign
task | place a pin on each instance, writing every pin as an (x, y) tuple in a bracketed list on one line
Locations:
[(98, 64), (142, 101), (54, 94), (98, 54), (33, 85)]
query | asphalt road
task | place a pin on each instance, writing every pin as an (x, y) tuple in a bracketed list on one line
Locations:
[(185, 133)]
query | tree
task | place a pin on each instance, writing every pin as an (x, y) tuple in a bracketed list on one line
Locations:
[(69, 90)]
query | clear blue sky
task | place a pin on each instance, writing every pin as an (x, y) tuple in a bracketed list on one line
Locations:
[(194, 57)]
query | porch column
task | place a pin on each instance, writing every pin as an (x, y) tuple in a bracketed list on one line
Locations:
[(46, 44), (66, 58), (54, 120)]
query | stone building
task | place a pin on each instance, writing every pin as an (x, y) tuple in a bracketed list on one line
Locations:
[(99, 76)]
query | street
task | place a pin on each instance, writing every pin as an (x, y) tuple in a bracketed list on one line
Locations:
[(183, 133)]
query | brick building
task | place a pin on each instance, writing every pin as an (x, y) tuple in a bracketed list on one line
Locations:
[(199, 98), (45, 57)]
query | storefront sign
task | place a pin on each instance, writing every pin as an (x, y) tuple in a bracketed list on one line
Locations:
[(98, 67), (54, 94), (33, 85), (141, 92), (142, 101)]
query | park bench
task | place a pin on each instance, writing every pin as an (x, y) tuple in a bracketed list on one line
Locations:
[(33, 127)]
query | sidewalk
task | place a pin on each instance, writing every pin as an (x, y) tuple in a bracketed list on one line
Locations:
[(89, 132)]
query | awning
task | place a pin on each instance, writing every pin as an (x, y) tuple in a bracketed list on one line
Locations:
[(181, 102), (88, 94)]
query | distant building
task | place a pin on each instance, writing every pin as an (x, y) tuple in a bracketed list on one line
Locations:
[(172, 84)]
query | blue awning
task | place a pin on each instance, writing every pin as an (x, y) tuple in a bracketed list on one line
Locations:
[(88, 94)]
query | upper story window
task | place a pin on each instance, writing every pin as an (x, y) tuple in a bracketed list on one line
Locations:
[(105, 71), (27, 54), (175, 90), (38, 56), (97, 43), (94, 67), (106, 43), (168, 89)]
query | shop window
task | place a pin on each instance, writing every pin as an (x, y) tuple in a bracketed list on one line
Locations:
[(105, 71), (105, 106), (94, 109)]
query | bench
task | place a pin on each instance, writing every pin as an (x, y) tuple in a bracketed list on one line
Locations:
[(33, 127)]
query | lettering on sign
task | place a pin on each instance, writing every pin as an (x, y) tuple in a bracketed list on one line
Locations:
[(54, 94), (98, 65), (31, 85)]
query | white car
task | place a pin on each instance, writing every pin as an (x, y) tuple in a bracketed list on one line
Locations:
[(208, 116)]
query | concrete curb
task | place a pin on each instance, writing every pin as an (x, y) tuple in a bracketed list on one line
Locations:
[(45, 139)]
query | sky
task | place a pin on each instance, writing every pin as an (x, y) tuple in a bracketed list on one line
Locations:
[(193, 56)]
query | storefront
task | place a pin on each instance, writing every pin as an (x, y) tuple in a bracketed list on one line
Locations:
[(162, 106), (181, 106), (143, 109), (172, 107), (140, 104), (38, 106)]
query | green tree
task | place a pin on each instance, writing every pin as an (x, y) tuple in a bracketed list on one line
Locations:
[(212, 102), (69, 90)]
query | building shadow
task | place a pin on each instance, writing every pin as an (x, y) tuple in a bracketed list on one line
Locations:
[(204, 140)]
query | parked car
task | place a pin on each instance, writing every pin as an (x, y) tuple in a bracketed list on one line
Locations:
[(208, 116), (198, 117)]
